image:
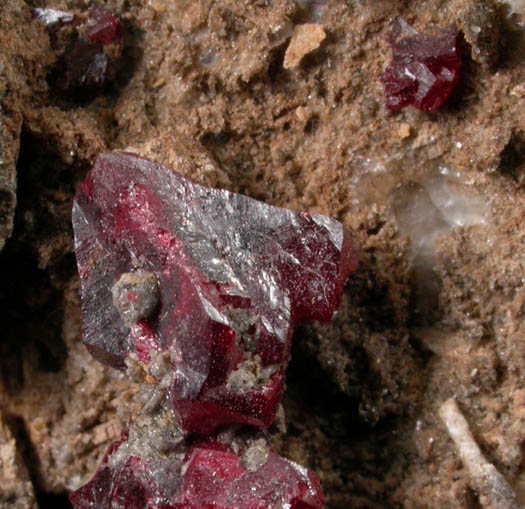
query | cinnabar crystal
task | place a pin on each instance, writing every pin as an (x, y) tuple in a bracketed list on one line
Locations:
[(424, 68), (235, 276), (208, 474), (89, 55), (104, 26)]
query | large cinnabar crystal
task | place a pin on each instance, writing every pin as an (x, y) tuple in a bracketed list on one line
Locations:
[(214, 281)]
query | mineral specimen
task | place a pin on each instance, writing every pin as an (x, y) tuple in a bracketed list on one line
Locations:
[(104, 27), (53, 18), (135, 296), (89, 51), (234, 278), (203, 474), (424, 69)]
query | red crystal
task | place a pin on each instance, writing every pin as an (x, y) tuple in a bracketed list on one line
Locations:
[(85, 59), (234, 276), (104, 26), (86, 66), (424, 69), (209, 475)]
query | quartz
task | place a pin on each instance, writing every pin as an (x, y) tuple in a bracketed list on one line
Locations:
[(200, 474), (54, 20), (425, 66), (229, 279), (53, 17)]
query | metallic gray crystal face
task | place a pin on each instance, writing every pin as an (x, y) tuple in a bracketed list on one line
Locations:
[(215, 279)]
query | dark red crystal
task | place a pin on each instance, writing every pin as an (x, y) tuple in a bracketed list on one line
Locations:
[(234, 276), (104, 26), (86, 66), (424, 68), (88, 51), (210, 475)]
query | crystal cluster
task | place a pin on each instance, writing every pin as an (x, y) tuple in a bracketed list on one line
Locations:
[(424, 68), (197, 291), (234, 276), (89, 50), (209, 474)]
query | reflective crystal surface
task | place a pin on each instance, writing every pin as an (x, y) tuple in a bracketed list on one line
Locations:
[(234, 278), (89, 47), (103, 26), (206, 474), (425, 66)]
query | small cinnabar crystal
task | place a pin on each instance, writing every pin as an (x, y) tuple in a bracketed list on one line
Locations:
[(104, 26), (92, 60), (89, 49), (424, 68), (235, 276), (207, 474)]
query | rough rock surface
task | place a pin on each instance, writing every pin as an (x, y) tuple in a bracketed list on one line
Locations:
[(17, 489), (203, 88), (305, 39), (22, 75)]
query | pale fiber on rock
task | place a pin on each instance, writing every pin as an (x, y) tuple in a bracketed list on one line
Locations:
[(484, 476)]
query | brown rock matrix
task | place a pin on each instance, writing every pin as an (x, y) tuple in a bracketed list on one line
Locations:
[(436, 201), (305, 39)]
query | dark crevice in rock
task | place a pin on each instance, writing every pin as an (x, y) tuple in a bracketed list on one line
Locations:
[(30, 459), (512, 159), (32, 311), (512, 41), (312, 391), (53, 501), (31, 300), (276, 71), (46, 185)]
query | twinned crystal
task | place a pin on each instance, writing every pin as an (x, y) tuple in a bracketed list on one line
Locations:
[(203, 474), (89, 47), (196, 293), (211, 282), (425, 66)]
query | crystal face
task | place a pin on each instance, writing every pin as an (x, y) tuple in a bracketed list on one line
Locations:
[(89, 47), (234, 276), (206, 474), (92, 60), (104, 26), (424, 68)]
